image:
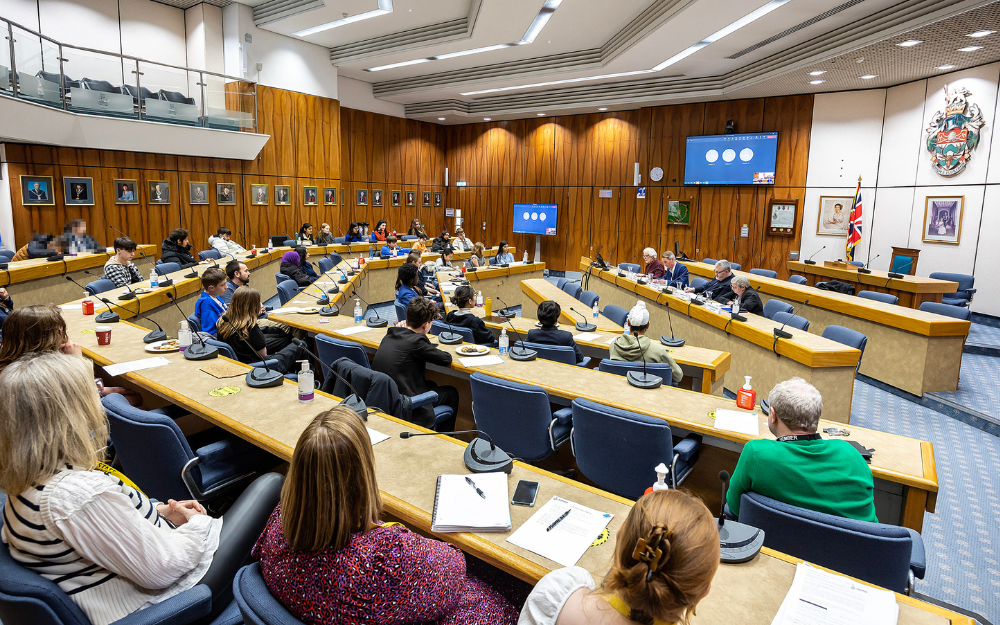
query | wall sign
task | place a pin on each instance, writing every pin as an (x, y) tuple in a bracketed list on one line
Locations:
[(954, 133), (604, 193)]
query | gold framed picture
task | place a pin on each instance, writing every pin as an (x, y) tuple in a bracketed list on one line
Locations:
[(329, 196), (427, 198), (438, 199), (79, 191), (37, 191), (395, 197), (781, 217), (259, 195), (310, 196), (376, 197), (834, 215), (198, 192), (227, 193), (125, 192), (159, 191), (411, 198), (282, 195)]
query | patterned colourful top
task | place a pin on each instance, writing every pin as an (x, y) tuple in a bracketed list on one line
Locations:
[(385, 576)]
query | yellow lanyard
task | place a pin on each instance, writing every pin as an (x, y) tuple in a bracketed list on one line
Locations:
[(109, 470), (623, 608)]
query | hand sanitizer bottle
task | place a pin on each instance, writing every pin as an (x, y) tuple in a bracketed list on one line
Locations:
[(628, 330), (661, 476), (746, 397), (358, 314), (479, 300), (154, 279), (184, 336), (306, 389), (504, 342)]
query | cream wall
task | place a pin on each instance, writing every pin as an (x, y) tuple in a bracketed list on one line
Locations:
[(880, 135)]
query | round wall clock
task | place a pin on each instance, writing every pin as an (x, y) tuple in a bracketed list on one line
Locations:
[(656, 174)]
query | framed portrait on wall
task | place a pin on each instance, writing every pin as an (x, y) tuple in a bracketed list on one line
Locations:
[(395, 198), (37, 191), (227, 193), (834, 215), (411, 198), (376, 197), (943, 219), (159, 191), (198, 192), (329, 196), (781, 217), (362, 197), (282, 195), (79, 191), (125, 192), (679, 212), (427, 198), (259, 195), (310, 196), (438, 199)]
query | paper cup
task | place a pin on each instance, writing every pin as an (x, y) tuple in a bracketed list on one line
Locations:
[(103, 335)]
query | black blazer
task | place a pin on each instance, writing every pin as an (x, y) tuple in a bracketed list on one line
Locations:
[(403, 356), (480, 333), (173, 253), (719, 290), (750, 302), (295, 272), (554, 336)]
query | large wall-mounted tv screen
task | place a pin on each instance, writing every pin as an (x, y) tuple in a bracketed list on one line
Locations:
[(731, 159), (535, 218)]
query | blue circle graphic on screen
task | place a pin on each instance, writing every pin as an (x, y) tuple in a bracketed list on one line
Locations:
[(729, 155), (731, 159), (527, 216), (746, 155), (711, 156), (535, 218), (542, 216)]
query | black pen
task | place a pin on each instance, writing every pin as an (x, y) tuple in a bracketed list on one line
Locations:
[(556, 522), (473, 484)]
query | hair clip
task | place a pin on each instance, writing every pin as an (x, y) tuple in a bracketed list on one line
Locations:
[(643, 552)]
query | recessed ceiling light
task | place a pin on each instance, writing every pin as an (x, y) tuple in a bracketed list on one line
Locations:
[(384, 7), (603, 108), (541, 114), (818, 72), (981, 33), (816, 82), (486, 119), (945, 67), (908, 43), (868, 76), (970, 48), (440, 119)]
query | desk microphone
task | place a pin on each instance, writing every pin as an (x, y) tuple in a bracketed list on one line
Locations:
[(354, 401), (201, 350), (519, 352), (644, 380), (893, 275), (583, 326), (451, 337), (255, 378), (108, 302), (865, 269), (672, 341), (481, 456), (324, 299), (156, 335), (110, 316), (810, 261), (326, 310), (780, 332), (334, 289), (124, 296), (379, 322), (738, 542)]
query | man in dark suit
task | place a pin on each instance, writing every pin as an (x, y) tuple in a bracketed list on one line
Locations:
[(720, 289), (37, 194), (675, 273), (549, 333), (403, 356)]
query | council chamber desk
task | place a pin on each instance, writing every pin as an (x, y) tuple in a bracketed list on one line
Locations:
[(912, 291), (915, 351), (406, 470)]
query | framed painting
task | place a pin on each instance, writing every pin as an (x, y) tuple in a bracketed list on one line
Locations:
[(834, 215), (37, 191), (159, 191), (125, 192), (943, 219), (79, 191)]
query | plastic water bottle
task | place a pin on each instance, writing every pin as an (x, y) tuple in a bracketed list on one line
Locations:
[(525, 256), (270, 246), (184, 336), (479, 302), (154, 279), (597, 313), (307, 390), (628, 330), (358, 314), (504, 342)]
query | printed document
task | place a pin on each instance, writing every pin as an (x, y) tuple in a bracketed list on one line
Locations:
[(567, 540), (817, 597)]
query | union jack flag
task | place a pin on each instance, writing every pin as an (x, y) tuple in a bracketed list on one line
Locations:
[(854, 225)]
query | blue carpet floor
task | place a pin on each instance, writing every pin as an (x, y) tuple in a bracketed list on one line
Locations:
[(984, 335)]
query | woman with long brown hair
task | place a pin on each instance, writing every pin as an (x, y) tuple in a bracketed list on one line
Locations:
[(239, 328), (327, 557), (666, 555)]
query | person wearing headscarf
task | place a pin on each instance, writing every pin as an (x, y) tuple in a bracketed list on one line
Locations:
[(291, 266), (636, 346)]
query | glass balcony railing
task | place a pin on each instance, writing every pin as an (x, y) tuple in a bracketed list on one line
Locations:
[(38, 69)]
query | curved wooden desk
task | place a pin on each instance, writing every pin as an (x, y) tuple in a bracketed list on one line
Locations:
[(911, 290)]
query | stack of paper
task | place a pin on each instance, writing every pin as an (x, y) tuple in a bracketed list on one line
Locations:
[(458, 506), (588, 336), (742, 422), (564, 541), (820, 598)]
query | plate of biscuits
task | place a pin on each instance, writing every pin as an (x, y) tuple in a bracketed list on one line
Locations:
[(159, 347)]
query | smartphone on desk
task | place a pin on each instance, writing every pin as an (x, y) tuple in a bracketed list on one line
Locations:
[(525, 493)]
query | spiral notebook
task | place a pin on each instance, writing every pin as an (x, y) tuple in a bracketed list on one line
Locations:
[(458, 506)]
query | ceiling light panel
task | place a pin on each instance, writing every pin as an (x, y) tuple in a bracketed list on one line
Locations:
[(384, 7), (970, 48), (981, 33), (909, 43)]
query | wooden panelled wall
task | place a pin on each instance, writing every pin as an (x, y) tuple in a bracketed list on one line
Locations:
[(560, 160)]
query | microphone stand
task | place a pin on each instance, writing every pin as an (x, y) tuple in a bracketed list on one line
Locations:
[(893, 275), (738, 542), (672, 341), (519, 352), (810, 261), (643, 380), (865, 269), (353, 401), (254, 378), (780, 332), (371, 323), (481, 456), (110, 316), (201, 351), (449, 338), (159, 334), (123, 296), (583, 326)]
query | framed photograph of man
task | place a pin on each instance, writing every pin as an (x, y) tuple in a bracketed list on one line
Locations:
[(361, 198), (198, 192), (282, 195), (834, 215), (329, 196), (438, 199), (943, 219), (159, 191), (427, 198), (37, 191), (79, 191), (125, 192), (679, 212), (259, 195), (310, 196), (395, 198), (227, 193), (376, 197), (411, 198), (781, 217)]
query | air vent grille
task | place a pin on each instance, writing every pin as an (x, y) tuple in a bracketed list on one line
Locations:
[(796, 28), (275, 10)]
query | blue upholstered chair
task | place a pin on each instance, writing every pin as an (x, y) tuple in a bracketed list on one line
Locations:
[(280, 277), (856, 263), (437, 327), (493, 260), (794, 321), (735, 266), (847, 336), (622, 367), (946, 309), (325, 265), (518, 417), (287, 290), (886, 298), (209, 255), (339, 240), (336, 258), (618, 450), (709, 261), (99, 286), (331, 350), (634, 268), (288, 243), (408, 237), (573, 288), (697, 281), (885, 555), (153, 452), (616, 314), (256, 604), (589, 298), (557, 353), (767, 273), (167, 268), (561, 282), (773, 306), (963, 297), (6, 255), (798, 280), (400, 312), (194, 322)]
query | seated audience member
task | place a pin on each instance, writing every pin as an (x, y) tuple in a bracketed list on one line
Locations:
[(461, 243), (325, 237), (504, 256), (444, 261), (6, 305), (403, 356), (421, 244), (719, 289), (666, 556), (78, 241), (76, 522), (548, 332), (636, 347), (239, 327), (176, 248), (41, 245), (746, 298), (354, 233), (406, 284), (416, 229), (120, 269), (307, 267), (328, 558), (291, 266), (237, 275), (391, 248), (800, 468), (425, 287), (210, 306), (222, 242), (654, 268), (465, 299), (42, 329), (478, 258), (276, 335), (305, 235), (381, 232), (441, 241), (675, 273)]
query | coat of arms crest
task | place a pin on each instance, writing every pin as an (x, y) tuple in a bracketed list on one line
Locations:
[(954, 133)]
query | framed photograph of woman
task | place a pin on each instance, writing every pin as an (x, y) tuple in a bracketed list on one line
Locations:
[(679, 212), (37, 191), (259, 195), (198, 192), (395, 198), (943, 219), (159, 191), (125, 192), (411, 198), (329, 196), (79, 191), (376, 197), (834, 215), (362, 197), (282, 195)]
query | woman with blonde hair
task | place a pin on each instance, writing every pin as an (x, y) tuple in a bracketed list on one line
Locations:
[(327, 557), (81, 524), (666, 555), (478, 258), (239, 328)]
